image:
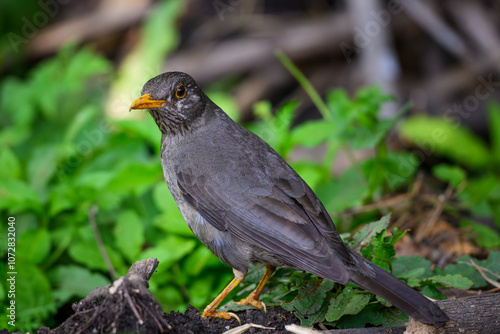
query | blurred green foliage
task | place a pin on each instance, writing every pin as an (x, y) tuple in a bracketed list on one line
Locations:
[(61, 156), (472, 170)]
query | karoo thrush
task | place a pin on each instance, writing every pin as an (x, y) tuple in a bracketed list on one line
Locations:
[(248, 206)]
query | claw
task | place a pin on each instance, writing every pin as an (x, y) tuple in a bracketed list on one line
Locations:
[(251, 300), (253, 297), (222, 315), (231, 314)]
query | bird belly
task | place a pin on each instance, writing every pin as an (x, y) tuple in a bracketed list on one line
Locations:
[(222, 244)]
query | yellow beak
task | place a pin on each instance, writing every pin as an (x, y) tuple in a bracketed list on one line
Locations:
[(146, 102)]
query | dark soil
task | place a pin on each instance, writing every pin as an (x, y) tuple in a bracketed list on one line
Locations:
[(189, 322), (192, 322), (127, 306)]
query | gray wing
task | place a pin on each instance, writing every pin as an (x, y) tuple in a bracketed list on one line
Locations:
[(279, 215)]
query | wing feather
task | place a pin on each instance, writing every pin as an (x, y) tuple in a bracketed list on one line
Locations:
[(281, 216)]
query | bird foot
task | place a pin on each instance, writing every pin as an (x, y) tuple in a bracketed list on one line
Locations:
[(251, 300), (223, 315)]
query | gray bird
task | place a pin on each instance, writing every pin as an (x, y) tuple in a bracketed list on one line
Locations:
[(248, 206)]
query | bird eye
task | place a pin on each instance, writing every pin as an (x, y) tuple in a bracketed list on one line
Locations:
[(180, 91)]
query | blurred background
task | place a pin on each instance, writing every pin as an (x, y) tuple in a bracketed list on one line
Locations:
[(382, 106)]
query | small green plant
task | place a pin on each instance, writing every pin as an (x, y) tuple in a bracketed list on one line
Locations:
[(474, 176)]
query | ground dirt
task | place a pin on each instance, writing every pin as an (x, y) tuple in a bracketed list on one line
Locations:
[(127, 306), (189, 322)]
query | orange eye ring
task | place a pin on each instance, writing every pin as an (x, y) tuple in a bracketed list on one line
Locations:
[(181, 91)]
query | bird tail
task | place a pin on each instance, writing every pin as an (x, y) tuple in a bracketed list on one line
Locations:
[(397, 293)]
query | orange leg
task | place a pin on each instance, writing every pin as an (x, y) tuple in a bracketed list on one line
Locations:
[(211, 309), (253, 297)]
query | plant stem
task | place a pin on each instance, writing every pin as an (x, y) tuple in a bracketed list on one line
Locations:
[(305, 83)]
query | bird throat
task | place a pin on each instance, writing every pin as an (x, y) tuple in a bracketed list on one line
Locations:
[(169, 123)]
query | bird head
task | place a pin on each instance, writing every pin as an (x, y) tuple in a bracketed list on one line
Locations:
[(174, 100)]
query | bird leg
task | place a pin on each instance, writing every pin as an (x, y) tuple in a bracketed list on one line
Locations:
[(211, 309), (253, 297)]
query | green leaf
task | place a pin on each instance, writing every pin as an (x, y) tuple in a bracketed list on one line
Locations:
[(146, 129), (370, 138), (479, 189), (136, 177), (371, 98), (486, 236), (72, 280), (263, 110), (17, 95), (411, 267), (33, 299), (312, 133), (382, 253), (494, 122), (375, 170), (11, 167), (454, 281), (413, 273), (275, 130), (12, 136), (398, 167), (87, 253), (438, 136), (340, 106), (169, 250), (464, 268), (450, 174), (63, 79), (432, 292), (201, 291), (41, 166), (312, 173), (492, 264), (171, 297), (310, 303), (345, 192), (373, 137), (357, 122), (198, 260), (17, 196), (375, 315), (80, 122), (350, 301), (308, 320), (307, 302), (170, 220), (129, 234), (413, 281), (94, 180), (381, 249), (62, 197), (369, 231), (34, 245), (123, 152)]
